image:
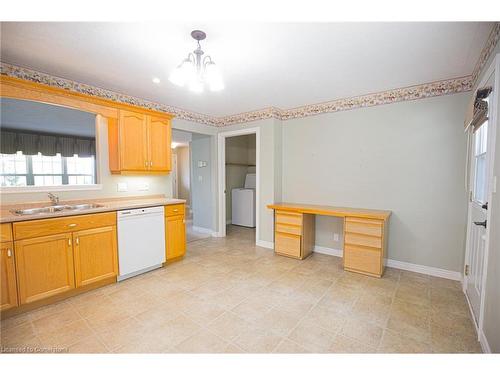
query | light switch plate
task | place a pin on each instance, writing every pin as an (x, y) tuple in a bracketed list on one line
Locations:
[(200, 178), (122, 186), (335, 236)]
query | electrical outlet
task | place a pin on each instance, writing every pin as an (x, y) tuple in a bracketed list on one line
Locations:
[(144, 186), (122, 186), (336, 237)]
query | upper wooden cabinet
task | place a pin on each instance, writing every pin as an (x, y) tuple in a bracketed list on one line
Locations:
[(139, 143)]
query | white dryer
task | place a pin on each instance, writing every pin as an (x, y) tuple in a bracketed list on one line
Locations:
[(243, 203)]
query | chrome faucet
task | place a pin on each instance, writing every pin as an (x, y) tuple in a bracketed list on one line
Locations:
[(54, 199)]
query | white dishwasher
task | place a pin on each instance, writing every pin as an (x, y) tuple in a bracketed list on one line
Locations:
[(141, 240)]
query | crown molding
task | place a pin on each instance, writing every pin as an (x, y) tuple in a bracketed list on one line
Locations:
[(421, 91)]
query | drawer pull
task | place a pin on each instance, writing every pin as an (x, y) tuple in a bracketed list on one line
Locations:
[(176, 210), (72, 225), (9, 253)]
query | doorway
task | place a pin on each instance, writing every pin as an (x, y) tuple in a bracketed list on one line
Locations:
[(238, 182)]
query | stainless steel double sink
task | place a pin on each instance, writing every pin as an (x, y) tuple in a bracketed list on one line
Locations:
[(56, 208)]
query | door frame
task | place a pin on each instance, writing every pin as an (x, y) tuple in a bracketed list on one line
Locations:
[(494, 68), (221, 169)]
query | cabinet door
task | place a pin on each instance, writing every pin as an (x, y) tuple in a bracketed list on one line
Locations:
[(8, 284), (133, 141), (159, 135), (44, 267), (95, 255), (175, 232)]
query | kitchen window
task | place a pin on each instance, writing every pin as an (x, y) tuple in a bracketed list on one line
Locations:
[(40, 170)]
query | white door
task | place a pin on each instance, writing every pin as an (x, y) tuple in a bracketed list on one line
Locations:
[(478, 218)]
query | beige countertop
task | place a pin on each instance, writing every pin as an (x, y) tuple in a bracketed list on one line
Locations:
[(108, 204)]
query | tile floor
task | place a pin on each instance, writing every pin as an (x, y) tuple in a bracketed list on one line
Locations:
[(229, 296)]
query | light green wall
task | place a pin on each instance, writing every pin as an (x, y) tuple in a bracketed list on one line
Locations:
[(406, 157)]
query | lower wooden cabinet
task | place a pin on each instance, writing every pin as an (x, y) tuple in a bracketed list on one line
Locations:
[(95, 252), (8, 283), (44, 266), (175, 233), (293, 234)]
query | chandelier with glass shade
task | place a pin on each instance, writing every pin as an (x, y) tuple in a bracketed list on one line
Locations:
[(197, 71)]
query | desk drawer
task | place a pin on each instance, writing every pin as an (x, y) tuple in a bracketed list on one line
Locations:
[(363, 240), (284, 217), (290, 229), (47, 227), (363, 226), (363, 259), (287, 244), (174, 210)]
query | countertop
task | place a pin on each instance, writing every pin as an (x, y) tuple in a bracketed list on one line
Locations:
[(331, 210), (108, 204)]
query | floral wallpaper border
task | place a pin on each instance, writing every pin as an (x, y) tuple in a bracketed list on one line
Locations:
[(426, 90), (486, 52)]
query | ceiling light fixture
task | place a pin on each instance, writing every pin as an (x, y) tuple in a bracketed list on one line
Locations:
[(156, 80), (197, 71)]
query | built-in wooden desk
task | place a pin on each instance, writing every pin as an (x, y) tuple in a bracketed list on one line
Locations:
[(365, 234)]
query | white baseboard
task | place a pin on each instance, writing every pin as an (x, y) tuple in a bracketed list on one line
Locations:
[(203, 230), (266, 244), (327, 251), (484, 343), (432, 271)]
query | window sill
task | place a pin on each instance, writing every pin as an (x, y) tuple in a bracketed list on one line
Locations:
[(47, 189)]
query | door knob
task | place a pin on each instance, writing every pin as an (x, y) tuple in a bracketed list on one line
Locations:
[(485, 206), (482, 223)]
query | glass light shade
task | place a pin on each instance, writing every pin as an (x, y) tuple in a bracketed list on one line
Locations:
[(196, 85), (213, 77), (183, 74)]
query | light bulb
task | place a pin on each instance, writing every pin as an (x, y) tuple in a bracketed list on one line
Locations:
[(183, 73)]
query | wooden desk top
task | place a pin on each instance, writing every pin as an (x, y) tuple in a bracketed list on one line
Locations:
[(331, 210)]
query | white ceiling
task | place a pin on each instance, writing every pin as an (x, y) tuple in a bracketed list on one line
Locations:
[(276, 64)]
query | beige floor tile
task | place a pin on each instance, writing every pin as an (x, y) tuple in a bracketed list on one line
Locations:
[(345, 344), (228, 326), (256, 340), (394, 342), (88, 345), (327, 319), (202, 342), (312, 337), (367, 333), (66, 335), (228, 295), (289, 347), (120, 333)]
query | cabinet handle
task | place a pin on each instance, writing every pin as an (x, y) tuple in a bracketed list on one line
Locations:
[(146, 163), (72, 225), (9, 253), (150, 163), (77, 241), (69, 241), (176, 210)]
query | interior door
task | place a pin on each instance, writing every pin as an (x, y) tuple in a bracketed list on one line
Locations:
[(478, 218), (133, 141), (159, 144)]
